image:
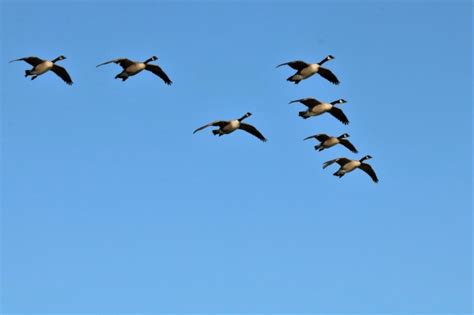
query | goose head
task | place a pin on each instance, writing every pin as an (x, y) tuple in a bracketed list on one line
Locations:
[(339, 101), (367, 157), (344, 136)]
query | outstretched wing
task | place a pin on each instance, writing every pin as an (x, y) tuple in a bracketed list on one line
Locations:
[(297, 64), (320, 137), (252, 130), (328, 75), (340, 161), (159, 72), (339, 114), (34, 61), (370, 171), (219, 123), (348, 145), (123, 62), (62, 73), (309, 101)]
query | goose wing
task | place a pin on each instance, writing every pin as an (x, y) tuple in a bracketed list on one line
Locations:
[(34, 61), (348, 145), (297, 64), (340, 161), (309, 101), (219, 123), (123, 62), (159, 72), (328, 75), (320, 137), (252, 130), (62, 73), (339, 115), (370, 171)]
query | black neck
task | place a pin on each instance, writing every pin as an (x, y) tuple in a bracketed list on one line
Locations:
[(335, 102), (56, 59), (243, 117), (323, 61), (148, 60)]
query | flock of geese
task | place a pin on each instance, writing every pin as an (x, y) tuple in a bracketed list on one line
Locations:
[(303, 71)]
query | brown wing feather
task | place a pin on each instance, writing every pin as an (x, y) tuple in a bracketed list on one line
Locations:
[(123, 62), (320, 137), (348, 145), (370, 171), (328, 75), (219, 123), (159, 72), (62, 73), (340, 161), (34, 61), (339, 115), (309, 101), (252, 130), (297, 64)]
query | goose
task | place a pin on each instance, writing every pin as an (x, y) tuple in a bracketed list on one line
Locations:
[(41, 66), (305, 70), (328, 141), (229, 126), (316, 108), (131, 68), (348, 166)]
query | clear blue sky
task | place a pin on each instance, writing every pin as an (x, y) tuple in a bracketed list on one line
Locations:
[(111, 204)]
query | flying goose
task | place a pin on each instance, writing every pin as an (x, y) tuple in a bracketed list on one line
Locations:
[(316, 108), (305, 70), (328, 141), (348, 166), (131, 68), (41, 66), (229, 126)]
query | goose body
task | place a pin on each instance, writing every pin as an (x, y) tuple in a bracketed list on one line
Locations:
[(41, 66), (229, 126), (327, 142), (232, 126), (347, 166), (131, 68), (305, 70), (316, 108), (134, 69)]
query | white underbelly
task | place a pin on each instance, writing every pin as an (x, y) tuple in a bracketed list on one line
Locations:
[(330, 142), (43, 67), (349, 167), (320, 109), (309, 71), (135, 69), (232, 126)]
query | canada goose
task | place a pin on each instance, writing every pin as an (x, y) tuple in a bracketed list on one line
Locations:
[(305, 70), (41, 66), (348, 166), (328, 141), (131, 68), (316, 108), (229, 126)]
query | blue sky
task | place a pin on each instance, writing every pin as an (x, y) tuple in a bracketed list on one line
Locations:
[(110, 204)]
